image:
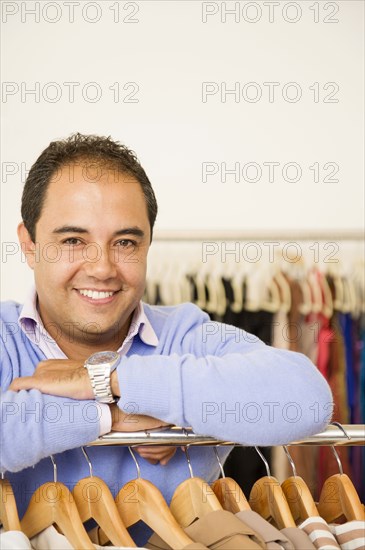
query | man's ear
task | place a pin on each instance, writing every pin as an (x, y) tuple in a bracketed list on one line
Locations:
[(27, 245)]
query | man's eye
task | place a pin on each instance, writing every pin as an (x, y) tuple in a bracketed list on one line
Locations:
[(126, 243), (72, 241)]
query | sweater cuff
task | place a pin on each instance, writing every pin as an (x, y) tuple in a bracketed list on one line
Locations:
[(105, 419)]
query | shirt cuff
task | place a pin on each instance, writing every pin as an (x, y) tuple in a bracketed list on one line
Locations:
[(105, 419)]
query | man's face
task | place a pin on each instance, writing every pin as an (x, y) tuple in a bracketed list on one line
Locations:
[(90, 255)]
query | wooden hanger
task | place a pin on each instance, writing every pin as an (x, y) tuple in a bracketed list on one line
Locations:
[(139, 500), (193, 499), (298, 495), (268, 500), (228, 492), (52, 503), (339, 497), (95, 501), (8, 509)]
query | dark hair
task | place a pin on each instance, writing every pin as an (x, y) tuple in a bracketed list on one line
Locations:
[(78, 147)]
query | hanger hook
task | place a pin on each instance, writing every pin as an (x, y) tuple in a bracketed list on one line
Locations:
[(337, 458), (188, 459), (54, 468), (88, 460), (335, 453), (341, 428), (219, 462), (187, 454), (290, 458), (136, 462), (264, 461)]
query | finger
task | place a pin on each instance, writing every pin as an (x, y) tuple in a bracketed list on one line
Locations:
[(151, 461), (167, 459), (51, 364), (155, 449), (160, 456), (153, 456), (24, 383)]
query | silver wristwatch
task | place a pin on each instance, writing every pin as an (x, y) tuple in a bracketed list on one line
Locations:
[(99, 367)]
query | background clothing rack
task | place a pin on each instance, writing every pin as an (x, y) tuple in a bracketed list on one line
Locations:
[(185, 436), (261, 235)]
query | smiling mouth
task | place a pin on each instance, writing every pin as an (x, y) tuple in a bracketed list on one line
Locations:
[(96, 294)]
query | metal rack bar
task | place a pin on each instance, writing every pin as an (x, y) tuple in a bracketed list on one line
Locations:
[(332, 435)]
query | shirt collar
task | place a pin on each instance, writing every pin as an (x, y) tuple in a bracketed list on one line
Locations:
[(141, 325), (31, 323)]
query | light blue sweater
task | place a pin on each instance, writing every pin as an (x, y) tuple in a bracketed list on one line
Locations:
[(221, 381)]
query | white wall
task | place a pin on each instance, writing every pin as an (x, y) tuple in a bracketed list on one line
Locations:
[(168, 50)]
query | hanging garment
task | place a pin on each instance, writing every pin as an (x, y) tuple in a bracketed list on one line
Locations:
[(259, 324), (300, 540), (319, 533), (217, 530), (273, 538), (347, 331), (326, 465), (14, 540), (49, 539), (159, 544), (302, 336), (350, 535), (362, 367)]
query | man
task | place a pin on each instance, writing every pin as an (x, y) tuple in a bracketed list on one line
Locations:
[(88, 212)]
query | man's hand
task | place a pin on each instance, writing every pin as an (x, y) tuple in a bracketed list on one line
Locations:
[(155, 454), (124, 422), (61, 377)]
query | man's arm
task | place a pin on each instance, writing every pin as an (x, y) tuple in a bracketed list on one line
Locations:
[(222, 382), (35, 425), (26, 412), (254, 395), (237, 390)]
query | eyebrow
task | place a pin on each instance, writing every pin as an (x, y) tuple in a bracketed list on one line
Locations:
[(136, 231)]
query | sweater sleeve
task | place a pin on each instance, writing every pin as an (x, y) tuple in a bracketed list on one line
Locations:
[(36, 425), (234, 388)]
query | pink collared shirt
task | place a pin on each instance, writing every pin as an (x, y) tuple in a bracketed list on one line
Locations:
[(31, 324)]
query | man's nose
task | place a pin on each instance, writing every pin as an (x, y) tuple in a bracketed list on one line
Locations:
[(99, 262)]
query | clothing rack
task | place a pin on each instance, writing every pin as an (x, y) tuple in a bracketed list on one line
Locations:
[(260, 235), (332, 435)]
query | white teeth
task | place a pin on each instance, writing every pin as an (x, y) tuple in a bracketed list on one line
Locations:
[(95, 295)]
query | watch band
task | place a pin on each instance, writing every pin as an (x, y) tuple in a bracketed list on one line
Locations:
[(100, 381), (100, 365)]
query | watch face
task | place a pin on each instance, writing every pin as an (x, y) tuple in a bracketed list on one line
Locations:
[(103, 357)]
